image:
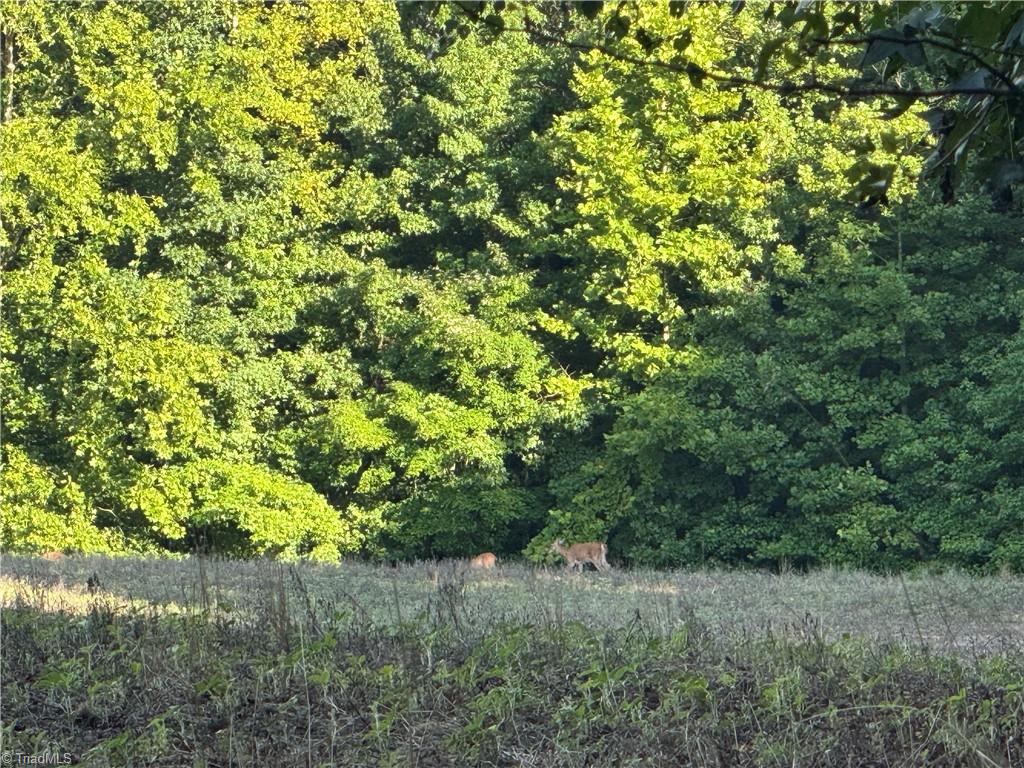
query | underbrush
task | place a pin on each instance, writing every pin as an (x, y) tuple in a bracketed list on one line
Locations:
[(301, 682)]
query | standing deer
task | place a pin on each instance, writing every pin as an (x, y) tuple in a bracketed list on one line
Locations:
[(486, 561), (592, 552)]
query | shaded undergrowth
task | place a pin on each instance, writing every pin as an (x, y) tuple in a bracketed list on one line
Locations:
[(303, 680)]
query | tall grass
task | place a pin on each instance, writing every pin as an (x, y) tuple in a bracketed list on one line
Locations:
[(192, 662)]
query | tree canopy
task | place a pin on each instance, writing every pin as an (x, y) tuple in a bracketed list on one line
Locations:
[(321, 279)]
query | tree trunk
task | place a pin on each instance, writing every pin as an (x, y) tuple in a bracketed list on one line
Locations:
[(7, 75)]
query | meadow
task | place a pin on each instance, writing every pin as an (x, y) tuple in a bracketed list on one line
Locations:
[(124, 661)]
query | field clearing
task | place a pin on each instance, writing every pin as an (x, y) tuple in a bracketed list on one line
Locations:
[(132, 662), (940, 611)]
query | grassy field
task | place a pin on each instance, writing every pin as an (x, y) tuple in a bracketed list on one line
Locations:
[(213, 663)]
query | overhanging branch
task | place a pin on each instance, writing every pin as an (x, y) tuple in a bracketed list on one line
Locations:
[(808, 86)]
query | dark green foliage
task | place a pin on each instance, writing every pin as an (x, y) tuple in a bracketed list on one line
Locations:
[(839, 416), (326, 278)]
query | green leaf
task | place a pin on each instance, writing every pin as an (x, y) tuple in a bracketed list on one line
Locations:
[(849, 16), (591, 8), (902, 104), (913, 53), (879, 50), (936, 117), (980, 24), (1004, 173), (793, 57), (764, 57), (955, 142), (815, 27), (976, 79), (683, 40), (618, 26), (890, 142), (473, 7), (919, 19), (645, 40), (696, 74), (1015, 35)]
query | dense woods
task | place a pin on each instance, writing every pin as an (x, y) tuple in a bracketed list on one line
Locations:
[(330, 278)]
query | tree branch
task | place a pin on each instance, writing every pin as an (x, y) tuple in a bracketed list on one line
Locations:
[(811, 86), (924, 40)]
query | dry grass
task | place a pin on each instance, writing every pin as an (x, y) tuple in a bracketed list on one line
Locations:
[(123, 662), (942, 611)]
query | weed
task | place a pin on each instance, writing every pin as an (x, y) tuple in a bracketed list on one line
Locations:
[(434, 665)]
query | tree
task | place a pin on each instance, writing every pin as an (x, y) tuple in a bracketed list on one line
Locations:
[(259, 266), (319, 278), (150, 266), (682, 201), (960, 62)]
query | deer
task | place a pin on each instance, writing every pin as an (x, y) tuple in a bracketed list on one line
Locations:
[(484, 561), (593, 552)]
